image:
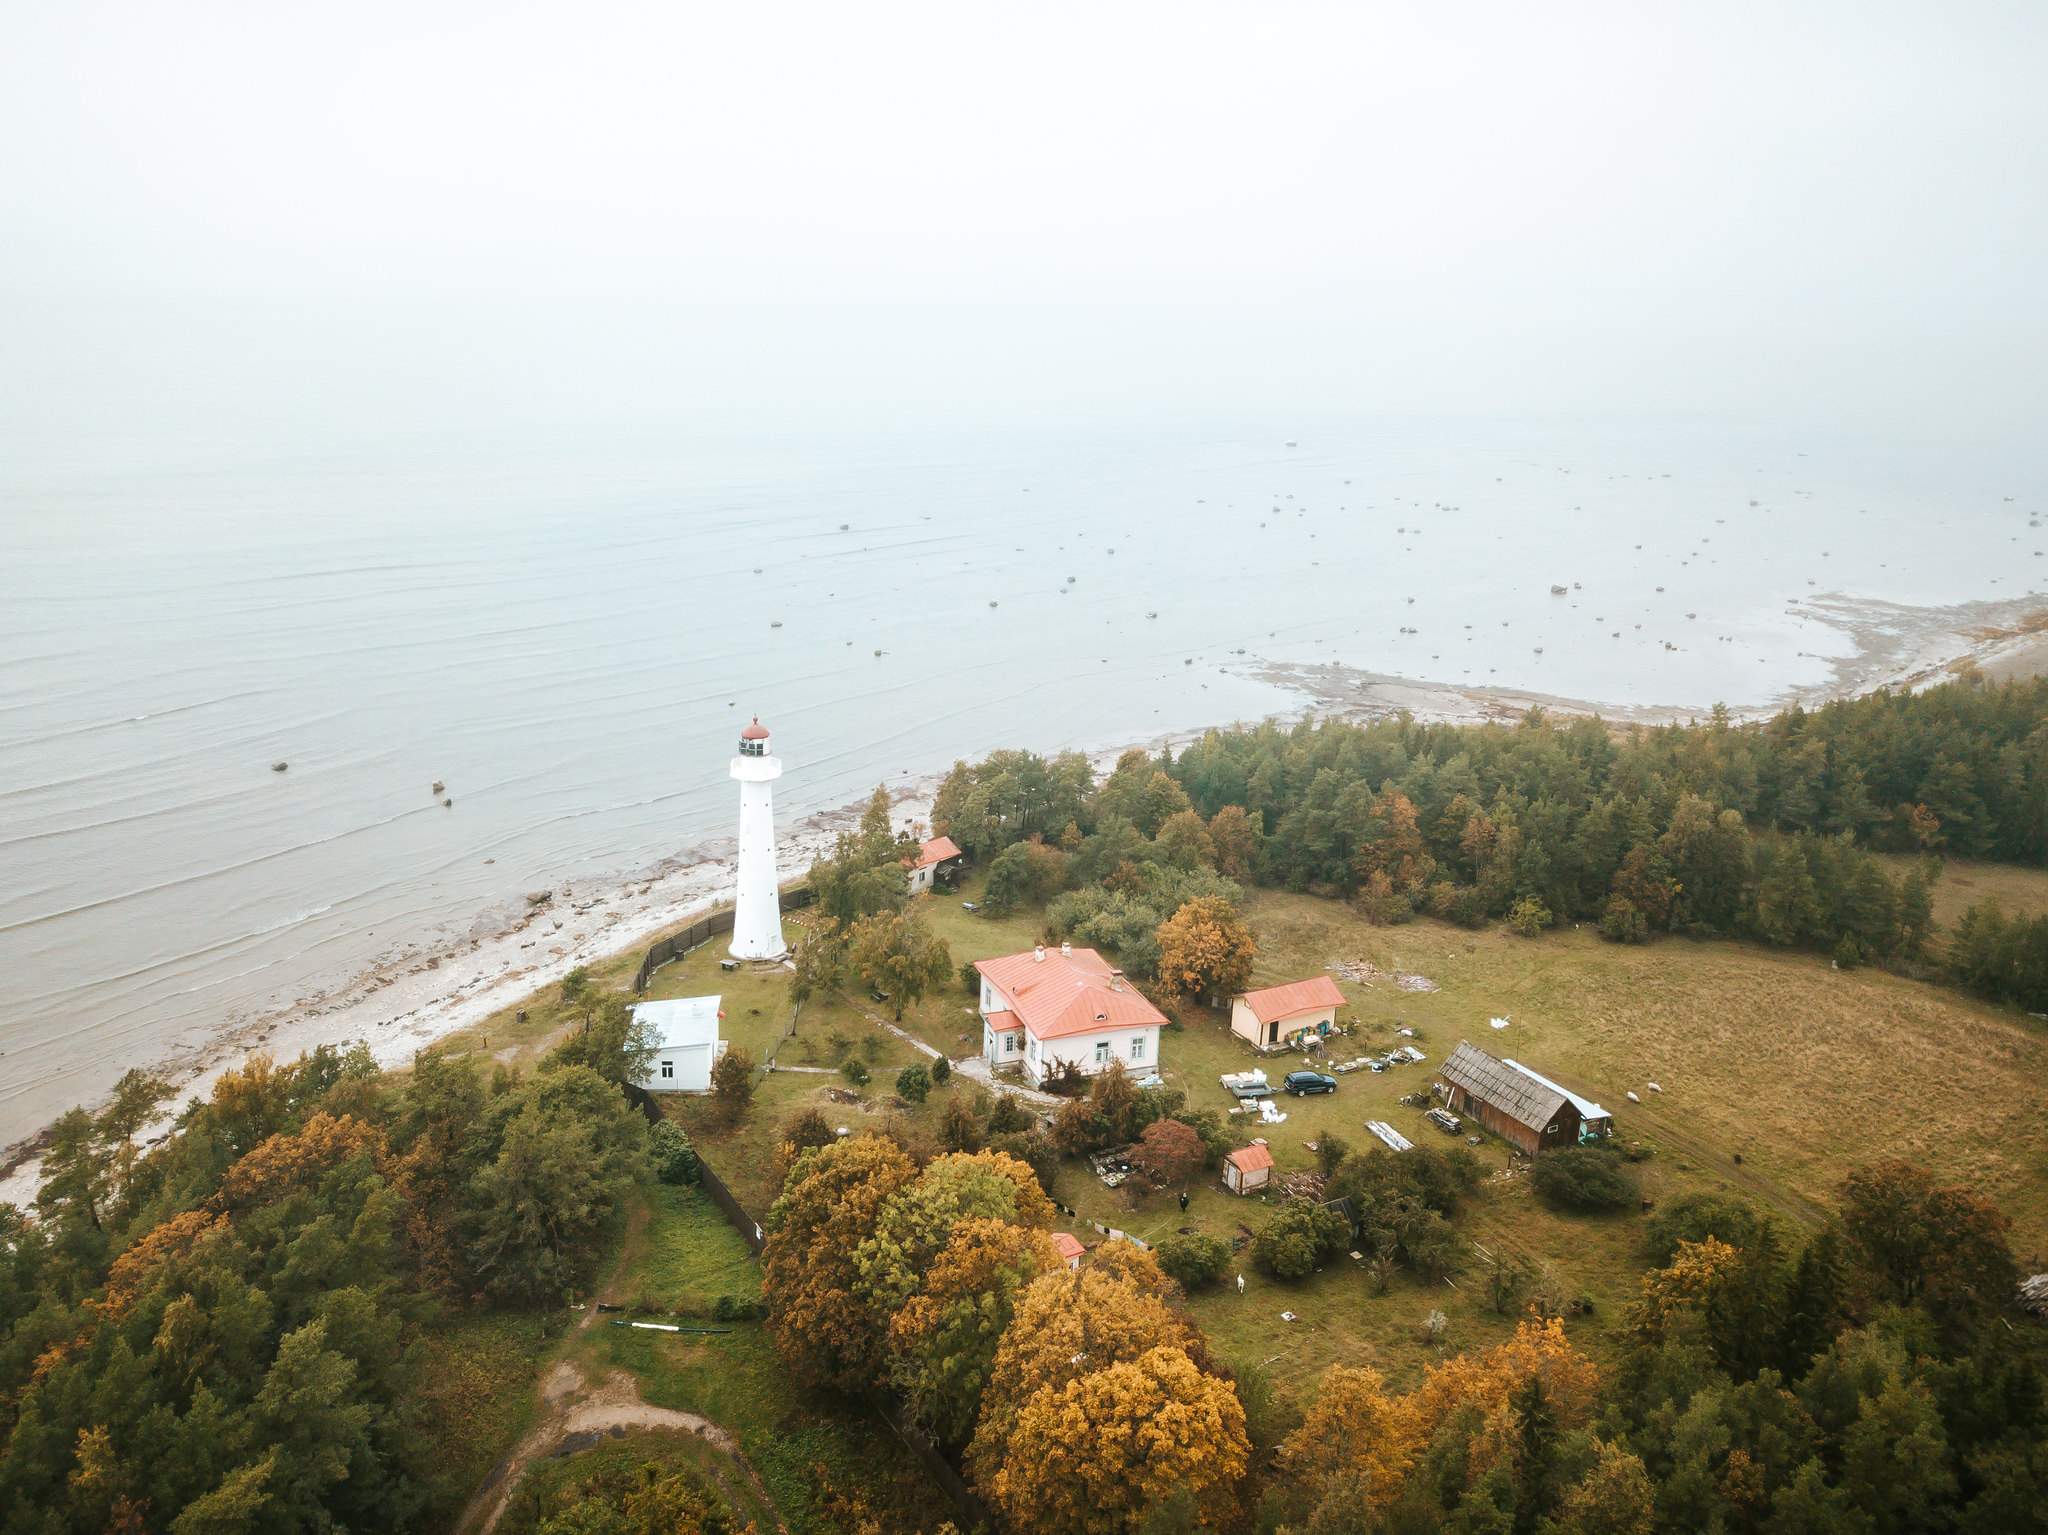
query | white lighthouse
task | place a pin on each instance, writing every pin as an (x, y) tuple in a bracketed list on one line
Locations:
[(757, 913)]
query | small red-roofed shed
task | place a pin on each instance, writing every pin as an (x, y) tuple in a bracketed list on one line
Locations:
[(1247, 1169), (1071, 1250), (1279, 1016)]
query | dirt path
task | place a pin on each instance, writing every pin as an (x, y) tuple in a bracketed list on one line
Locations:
[(575, 1418)]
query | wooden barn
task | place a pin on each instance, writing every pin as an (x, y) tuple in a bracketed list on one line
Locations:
[(1520, 1109)]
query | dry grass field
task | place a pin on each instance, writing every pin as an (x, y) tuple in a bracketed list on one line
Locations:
[(2022, 892), (1801, 1069)]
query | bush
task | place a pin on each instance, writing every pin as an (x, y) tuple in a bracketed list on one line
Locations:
[(1034, 1148), (1585, 1178), (1695, 1217), (960, 1127), (942, 1070), (1624, 922), (914, 1083), (732, 1080), (808, 1129), (674, 1160), (1193, 1260), (971, 979), (1467, 907), (854, 1071), (1847, 955), (1529, 916), (1298, 1237), (1008, 1116)]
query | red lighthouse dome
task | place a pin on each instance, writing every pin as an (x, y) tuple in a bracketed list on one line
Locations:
[(754, 739)]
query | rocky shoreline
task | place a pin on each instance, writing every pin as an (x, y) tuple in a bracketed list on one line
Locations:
[(514, 949)]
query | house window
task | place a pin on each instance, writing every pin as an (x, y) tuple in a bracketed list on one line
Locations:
[(1102, 1052), (1137, 1047), (1012, 1043), (1034, 1049), (668, 1068)]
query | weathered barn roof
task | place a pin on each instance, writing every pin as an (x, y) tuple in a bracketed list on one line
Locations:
[(1588, 1109), (1521, 1098), (934, 850)]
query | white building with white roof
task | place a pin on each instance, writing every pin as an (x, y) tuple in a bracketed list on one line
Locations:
[(688, 1030)]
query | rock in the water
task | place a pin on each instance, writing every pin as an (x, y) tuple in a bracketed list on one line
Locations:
[(535, 897), (439, 786), (279, 767)]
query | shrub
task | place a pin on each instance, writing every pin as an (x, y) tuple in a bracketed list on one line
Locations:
[(674, 1160), (1847, 955), (1585, 1178), (854, 1071), (1008, 1116), (1065, 1080), (1034, 1148), (732, 1080), (1467, 907), (960, 1127), (1697, 1216), (1193, 1260), (808, 1129), (971, 979), (1624, 922), (914, 1083), (941, 1070), (1299, 1235), (1529, 916)]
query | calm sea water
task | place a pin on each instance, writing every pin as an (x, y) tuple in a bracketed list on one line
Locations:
[(568, 631)]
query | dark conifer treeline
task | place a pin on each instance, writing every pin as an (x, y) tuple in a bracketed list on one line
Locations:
[(1762, 830)]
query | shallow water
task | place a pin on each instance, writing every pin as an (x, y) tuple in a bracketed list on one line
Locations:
[(570, 631)]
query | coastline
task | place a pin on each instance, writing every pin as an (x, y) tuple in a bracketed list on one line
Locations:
[(514, 949)]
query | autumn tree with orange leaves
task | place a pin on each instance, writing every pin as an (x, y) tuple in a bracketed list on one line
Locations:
[(1205, 949)]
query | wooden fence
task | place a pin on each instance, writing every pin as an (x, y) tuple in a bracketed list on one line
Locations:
[(750, 1230), (703, 930)]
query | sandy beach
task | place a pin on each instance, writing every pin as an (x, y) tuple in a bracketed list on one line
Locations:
[(518, 947)]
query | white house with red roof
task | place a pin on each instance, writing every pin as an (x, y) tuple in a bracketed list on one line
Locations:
[(1066, 1004), (1278, 1016), (936, 859)]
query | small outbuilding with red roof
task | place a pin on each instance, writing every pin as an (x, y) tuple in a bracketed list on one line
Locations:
[(1247, 1169), (1070, 1248), (1277, 1017), (936, 859)]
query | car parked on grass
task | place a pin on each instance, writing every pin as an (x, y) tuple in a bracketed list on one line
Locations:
[(1300, 1082)]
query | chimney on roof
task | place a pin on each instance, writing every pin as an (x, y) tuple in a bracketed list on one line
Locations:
[(1038, 954), (1066, 949)]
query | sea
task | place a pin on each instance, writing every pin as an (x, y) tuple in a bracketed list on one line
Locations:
[(566, 630)]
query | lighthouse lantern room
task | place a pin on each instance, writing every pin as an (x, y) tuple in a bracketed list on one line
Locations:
[(757, 912)]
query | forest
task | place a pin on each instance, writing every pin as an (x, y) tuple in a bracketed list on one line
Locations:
[(1867, 1377), (222, 1331), (1763, 830)]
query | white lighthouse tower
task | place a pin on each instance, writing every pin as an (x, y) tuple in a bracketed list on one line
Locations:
[(757, 913)]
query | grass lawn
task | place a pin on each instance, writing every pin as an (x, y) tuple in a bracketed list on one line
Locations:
[(476, 1397), (808, 1450), (1802, 1070), (2021, 891)]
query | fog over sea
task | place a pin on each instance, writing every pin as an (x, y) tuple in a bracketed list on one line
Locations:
[(569, 627)]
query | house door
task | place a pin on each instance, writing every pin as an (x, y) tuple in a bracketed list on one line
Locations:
[(1273, 1032)]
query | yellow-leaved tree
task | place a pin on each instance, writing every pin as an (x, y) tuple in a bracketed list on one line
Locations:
[(1097, 1454), (945, 1336), (1356, 1441), (1205, 947), (822, 1325), (1067, 1325)]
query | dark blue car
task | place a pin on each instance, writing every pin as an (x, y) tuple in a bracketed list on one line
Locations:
[(1299, 1082)]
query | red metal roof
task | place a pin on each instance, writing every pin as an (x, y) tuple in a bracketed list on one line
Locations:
[(755, 732), (1277, 1002), (935, 850), (1063, 994), (1249, 1159), (1070, 1246)]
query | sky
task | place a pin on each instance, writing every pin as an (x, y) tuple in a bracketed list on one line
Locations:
[(1835, 209)]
